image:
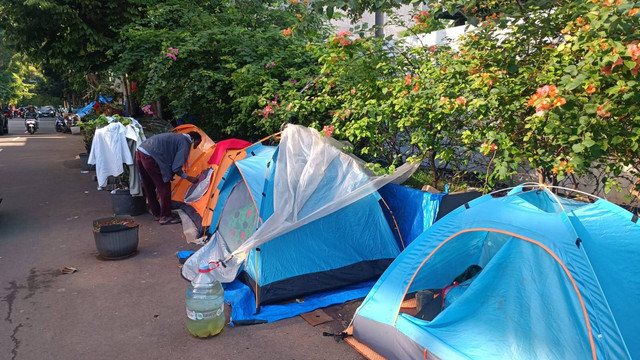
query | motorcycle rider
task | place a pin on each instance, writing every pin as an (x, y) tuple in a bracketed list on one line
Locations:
[(31, 113)]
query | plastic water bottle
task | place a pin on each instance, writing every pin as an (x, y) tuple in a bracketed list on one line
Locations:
[(205, 304)]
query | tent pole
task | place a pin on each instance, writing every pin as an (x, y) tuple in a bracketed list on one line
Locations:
[(395, 222)]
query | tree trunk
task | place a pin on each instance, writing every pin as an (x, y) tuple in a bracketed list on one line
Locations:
[(94, 81), (554, 182), (159, 106), (434, 169), (540, 175), (132, 103), (379, 23), (127, 101)]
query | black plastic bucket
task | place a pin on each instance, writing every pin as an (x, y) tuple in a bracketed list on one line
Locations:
[(115, 241), (125, 204)]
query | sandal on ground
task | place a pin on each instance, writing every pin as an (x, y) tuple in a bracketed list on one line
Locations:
[(170, 221)]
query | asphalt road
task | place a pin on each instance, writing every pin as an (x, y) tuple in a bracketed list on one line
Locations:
[(125, 309)]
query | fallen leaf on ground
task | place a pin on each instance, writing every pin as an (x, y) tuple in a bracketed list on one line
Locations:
[(68, 270)]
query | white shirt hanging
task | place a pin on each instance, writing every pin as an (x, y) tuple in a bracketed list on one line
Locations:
[(109, 151)]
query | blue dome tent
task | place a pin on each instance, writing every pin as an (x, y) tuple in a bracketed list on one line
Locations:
[(297, 219), (558, 280)]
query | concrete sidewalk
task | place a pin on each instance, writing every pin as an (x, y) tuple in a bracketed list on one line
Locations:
[(125, 309)]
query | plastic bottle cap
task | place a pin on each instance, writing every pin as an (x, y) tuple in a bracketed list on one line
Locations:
[(204, 267)]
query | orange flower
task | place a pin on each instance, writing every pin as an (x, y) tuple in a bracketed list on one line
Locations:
[(553, 91), (604, 46), (540, 109), (461, 100), (415, 88), (327, 130), (634, 51), (590, 89), (294, 1), (443, 99), (407, 80), (286, 32), (586, 27), (485, 147), (299, 16), (601, 111), (570, 170), (618, 62), (559, 101), (543, 91), (633, 11), (555, 169)]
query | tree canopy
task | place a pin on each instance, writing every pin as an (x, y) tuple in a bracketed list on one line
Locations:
[(548, 87)]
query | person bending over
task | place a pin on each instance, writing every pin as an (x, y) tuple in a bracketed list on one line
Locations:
[(158, 159)]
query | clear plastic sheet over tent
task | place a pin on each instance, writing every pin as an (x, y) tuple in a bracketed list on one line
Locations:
[(302, 192), (197, 190)]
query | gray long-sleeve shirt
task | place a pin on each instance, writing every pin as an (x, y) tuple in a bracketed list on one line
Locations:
[(170, 151)]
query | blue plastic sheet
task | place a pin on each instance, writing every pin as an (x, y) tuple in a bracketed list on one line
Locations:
[(414, 210), (87, 109), (243, 303)]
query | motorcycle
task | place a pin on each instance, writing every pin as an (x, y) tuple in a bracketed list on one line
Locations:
[(69, 121), (31, 124), (61, 125)]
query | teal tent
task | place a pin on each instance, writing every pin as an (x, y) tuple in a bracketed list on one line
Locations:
[(297, 219), (558, 279)]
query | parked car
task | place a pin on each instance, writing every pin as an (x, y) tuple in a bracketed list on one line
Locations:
[(4, 124), (47, 111)]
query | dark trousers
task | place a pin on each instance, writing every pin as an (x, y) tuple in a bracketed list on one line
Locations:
[(152, 183)]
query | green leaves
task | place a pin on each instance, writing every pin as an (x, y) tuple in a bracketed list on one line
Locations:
[(576, 82), (571, 70)]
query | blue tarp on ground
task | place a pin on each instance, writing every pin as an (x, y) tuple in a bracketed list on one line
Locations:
[(243, 303), (414, 210)]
